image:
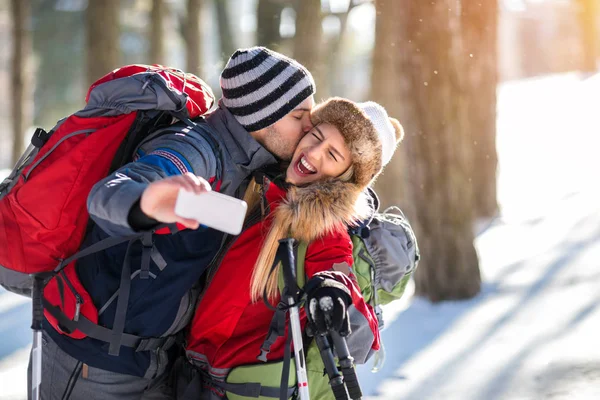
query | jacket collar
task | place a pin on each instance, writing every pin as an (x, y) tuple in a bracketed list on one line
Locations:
[(245, 151)]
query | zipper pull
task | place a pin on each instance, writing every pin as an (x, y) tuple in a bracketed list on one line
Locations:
[(78, 303)]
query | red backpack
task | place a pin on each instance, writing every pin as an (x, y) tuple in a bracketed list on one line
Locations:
[(43, 214)]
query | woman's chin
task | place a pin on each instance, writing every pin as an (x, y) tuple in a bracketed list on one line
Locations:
[(296, 180)]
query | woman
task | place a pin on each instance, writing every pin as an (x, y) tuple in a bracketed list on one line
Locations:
[(323, 193)]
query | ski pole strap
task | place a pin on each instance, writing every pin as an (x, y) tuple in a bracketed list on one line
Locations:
[(98, 332)]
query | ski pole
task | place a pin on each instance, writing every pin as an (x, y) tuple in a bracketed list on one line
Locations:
[(347, 365), (288, 263), (37, 311), (336, 380)]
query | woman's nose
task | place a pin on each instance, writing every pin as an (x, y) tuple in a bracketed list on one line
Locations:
[(314, 152)]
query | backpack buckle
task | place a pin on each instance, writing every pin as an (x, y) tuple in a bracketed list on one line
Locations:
[(39, 138), (263, 355)]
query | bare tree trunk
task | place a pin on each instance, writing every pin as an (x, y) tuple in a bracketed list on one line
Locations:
[(225, 31), (268, 20), (385, 78), (20, 85), (308, 42), (103, 50), (193, 37), (479, 22), (429, 93), (588, 21), (335, 81), (157, 42)]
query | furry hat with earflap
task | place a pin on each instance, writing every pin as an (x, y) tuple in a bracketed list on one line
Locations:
[(369, 132), (372, 137)]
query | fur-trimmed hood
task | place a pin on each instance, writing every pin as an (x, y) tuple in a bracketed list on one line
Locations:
[(320, 208)]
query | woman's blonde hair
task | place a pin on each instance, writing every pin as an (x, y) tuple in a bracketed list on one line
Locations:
[(261, 281)]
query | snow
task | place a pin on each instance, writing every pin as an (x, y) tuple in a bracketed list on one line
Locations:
[(532, 331)]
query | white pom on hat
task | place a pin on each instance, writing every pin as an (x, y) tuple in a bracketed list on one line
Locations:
[(387, 134)]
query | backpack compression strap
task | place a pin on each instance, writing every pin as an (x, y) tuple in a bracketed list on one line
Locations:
[(115, 336)]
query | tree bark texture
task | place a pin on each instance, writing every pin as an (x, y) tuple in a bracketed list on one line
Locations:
[(21, 74), (268, 14), (588, 11), (417, 72), (225, 31), (308, 41), (157, 37), (103, 50), (385, 79), (193, 37), (479, 26)]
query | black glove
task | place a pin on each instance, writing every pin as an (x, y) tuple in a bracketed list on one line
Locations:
[(327, 306)]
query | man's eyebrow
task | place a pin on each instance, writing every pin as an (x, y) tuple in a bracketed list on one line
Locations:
[(301, 109), (333, 148)]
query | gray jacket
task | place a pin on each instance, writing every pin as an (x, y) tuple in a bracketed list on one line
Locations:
[(177, 150)]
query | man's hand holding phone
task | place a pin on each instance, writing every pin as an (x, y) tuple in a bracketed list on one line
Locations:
[(189, 200), (159, 199)]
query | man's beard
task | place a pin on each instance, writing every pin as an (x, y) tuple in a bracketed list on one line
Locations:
[(277, 146)]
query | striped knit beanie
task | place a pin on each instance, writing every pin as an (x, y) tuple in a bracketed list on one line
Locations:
[(260, 86)]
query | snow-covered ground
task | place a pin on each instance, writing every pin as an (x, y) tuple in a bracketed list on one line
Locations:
[(533, 331)]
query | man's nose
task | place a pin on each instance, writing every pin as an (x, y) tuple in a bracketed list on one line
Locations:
[(306, 125)]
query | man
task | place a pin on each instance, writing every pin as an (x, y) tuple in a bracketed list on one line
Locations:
[(262, 115)]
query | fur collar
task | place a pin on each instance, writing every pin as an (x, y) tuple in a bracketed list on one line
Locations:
[(321, 208)]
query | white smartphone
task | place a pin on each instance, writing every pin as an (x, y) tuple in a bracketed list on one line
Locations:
[(213, 209)]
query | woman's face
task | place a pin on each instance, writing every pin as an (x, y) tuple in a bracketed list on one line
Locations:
[(322, 153)]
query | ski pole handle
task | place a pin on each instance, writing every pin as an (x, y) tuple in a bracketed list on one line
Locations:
[(37, 307), (347, 366), (37, 316)]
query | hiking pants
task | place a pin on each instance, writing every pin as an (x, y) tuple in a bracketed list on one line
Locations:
[(64, 377)]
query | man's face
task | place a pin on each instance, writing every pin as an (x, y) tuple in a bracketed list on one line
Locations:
[(283, 136)]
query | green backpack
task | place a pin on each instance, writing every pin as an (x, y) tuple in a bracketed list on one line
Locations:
[(385, 256)]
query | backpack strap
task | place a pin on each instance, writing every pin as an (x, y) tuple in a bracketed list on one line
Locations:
[(104, 334), (115, 336)]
